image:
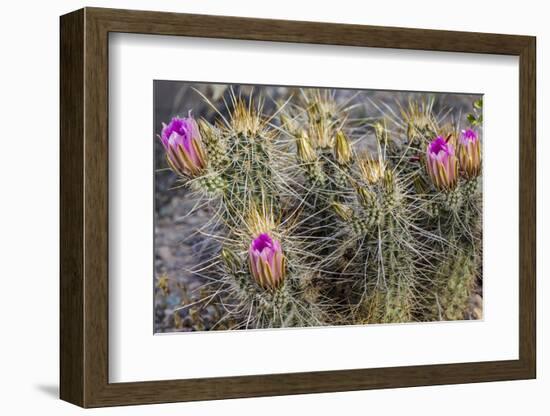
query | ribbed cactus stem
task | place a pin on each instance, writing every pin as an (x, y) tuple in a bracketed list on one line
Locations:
[(452, 200), (215, 147), (391, 196), (212, 184), (314, 173), (454, 285), (471, 188)]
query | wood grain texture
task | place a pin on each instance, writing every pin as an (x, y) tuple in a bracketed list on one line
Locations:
[(528, 208), (71, 208), (85, 217)]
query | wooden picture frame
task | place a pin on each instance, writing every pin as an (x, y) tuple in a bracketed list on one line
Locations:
[(84, 207)]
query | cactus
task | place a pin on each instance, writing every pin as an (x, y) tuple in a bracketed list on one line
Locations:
[(312, 230), (453, 287)]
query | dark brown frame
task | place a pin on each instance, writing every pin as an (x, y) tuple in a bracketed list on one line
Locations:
[(84, 207)]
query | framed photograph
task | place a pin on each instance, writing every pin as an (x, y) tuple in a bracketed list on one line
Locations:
[(262, 207)]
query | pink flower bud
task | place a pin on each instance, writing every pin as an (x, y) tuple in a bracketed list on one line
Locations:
[(266, 261), (469, 153), (442, 163), (183, 145)]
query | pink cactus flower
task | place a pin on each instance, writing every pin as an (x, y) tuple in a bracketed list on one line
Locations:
[(183, 145), (469, 153), (442, 163), (266, 261)]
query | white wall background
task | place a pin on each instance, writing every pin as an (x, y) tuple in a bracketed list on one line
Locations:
[(29, 158)]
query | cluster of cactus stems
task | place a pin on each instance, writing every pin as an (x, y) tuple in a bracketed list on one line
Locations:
[(323, 219)]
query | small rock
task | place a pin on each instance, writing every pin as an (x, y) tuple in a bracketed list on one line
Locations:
[(477, 313), (165, 253), (476, 301)]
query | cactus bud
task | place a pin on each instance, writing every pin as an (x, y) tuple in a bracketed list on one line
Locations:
[(304, 149), (342, 149), (469, 153), (184, 147), (371, 170), (442, 163), (266, 261), (389, 181), (381, 133), (343, 211), (365, 197)]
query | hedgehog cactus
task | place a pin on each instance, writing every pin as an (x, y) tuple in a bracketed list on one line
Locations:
[(313, 230)]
